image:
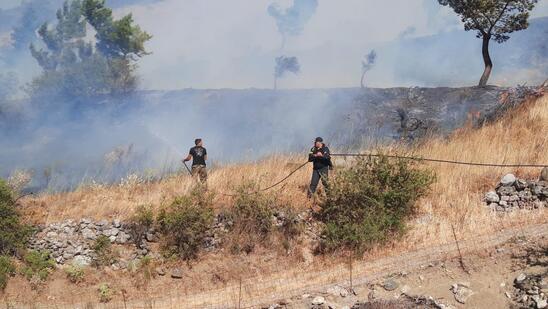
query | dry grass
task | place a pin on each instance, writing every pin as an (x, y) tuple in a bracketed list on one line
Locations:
[(120, 201), (456, 198)]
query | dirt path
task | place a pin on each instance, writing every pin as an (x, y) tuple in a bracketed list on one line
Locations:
[(254, 293)]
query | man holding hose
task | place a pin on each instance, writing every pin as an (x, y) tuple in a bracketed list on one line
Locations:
[(198, 154), (321, 159)]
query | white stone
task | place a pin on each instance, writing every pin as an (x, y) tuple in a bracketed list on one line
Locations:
[(318, 300), (492, 197), (508, 180), (81, 260)]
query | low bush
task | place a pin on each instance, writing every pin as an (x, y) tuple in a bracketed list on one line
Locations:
[(370, 202), (184, 223), (7, 269), (105, 293), (251, 217), (104, 254), (141, 222), (37, 266), (75, 273), (13, 234)]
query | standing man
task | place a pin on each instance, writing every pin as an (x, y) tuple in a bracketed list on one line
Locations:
[(321, 158), (198, 154)]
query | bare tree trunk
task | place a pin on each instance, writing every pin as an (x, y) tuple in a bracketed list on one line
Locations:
[(361, 82), (486, 60)]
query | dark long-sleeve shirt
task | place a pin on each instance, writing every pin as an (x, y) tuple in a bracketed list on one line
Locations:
[(320, 162)]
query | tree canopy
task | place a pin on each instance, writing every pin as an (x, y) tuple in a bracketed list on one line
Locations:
[(493, 20), (75, 66)]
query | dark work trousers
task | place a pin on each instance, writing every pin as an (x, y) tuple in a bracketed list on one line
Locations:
[(317, 175)]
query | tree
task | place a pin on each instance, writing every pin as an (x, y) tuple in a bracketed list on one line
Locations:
[(283, 65), (76, 68), (492, 19), (367, 64), (35, 13)]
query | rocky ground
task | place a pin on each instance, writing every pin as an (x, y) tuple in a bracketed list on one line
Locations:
[(513, 275), (513, 193)]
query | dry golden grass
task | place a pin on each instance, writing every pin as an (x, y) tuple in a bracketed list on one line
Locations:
[(455, 201), (456, 198)]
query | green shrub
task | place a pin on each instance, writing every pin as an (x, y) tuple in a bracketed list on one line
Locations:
[(370, 202), (75, 273), (141, 222), (105, 293), (185, 222), (37, 266), (13, 233), (6, 270), (104, 254), (251, 216)]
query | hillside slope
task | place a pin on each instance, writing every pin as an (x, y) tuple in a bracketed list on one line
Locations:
[(454, 205)]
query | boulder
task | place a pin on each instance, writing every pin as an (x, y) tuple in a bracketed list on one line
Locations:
[(462, 292), (492, 197), (508, 180), (544, 174), (390, 284)]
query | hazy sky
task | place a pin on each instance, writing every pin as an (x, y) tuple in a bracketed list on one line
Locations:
[(232, 44)]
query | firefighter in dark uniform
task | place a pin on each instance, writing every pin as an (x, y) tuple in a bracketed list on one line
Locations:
[(321, 159)]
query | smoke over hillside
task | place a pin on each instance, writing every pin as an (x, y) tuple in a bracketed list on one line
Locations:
[(65, 141)]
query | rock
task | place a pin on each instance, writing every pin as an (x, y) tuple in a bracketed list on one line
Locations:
[(160, 271), (405, 289), (88, 234), (81, 261), (508, 295), (177, 273), (506, 191), (150, 237), (508, 180), (520, 278), (305, 296), (492, 197), (544, 174), (390, 285), (520, 184), (318, 300), (541, 303), (337, 291), (461, 292), (122, 238), (116, 223)]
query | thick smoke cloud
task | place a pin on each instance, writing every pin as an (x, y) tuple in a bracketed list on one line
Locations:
[(291, 21), (149, 132), (285, 65)]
